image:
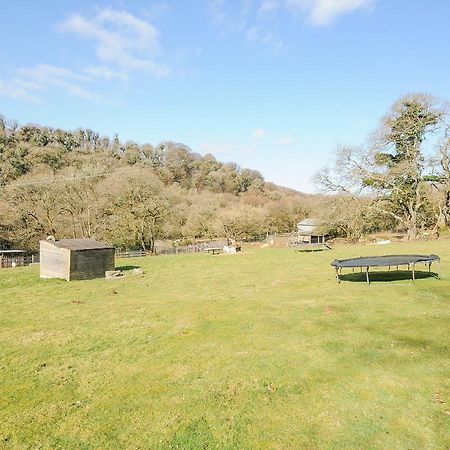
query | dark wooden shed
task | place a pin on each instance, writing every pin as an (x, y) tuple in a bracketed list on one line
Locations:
[(76, 259)]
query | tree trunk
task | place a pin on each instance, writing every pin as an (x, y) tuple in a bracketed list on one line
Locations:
[(446, 208), (412, 233), (152, 245)]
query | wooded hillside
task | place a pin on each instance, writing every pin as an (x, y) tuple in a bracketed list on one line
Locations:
[(80, 184)]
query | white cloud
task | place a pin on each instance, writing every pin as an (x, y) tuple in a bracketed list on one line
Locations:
[(256, 35), (323, 12), (259, 133), (123, 43), (259, 20), (242, 17), (32, 81), (44, 76), (105, 73), (215, 8), (286, 140), (121, 39), (229, 17), (268, 6), (19, 89), (45, 73)]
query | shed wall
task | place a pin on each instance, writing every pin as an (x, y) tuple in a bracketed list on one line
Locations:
[(87, 264), (54, 261)]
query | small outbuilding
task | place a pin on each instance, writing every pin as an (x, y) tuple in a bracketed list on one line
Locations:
[(12, 258), (76, 259), (308, 236), (308, 232)]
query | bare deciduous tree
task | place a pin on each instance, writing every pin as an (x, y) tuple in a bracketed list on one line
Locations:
[(391, 168)]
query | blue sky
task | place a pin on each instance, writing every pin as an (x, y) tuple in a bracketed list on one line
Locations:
[(273, 85)]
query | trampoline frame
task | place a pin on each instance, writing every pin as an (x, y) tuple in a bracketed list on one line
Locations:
[(425, 259)]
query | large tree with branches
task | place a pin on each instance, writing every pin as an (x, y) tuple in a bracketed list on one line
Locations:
[(391, 169)]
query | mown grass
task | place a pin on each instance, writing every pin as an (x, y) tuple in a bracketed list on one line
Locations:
[(257, 350)]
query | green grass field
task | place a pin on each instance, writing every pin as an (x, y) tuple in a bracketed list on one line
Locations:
[(263, 349)]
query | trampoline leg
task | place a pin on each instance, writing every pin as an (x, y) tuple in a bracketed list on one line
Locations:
[(413, 272), (429, 268), (337, 275), (367, 276)]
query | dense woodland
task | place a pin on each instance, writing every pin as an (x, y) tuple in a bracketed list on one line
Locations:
[(80, 184)]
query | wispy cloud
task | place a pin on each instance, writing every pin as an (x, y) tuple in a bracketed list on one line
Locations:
[(323, 12), (286, 140), (19, 89), (121, 39), (44, 76), (48, 73), (30, 82), (216, 12), (258, 20), (256, 35), (269, 6), (259, 133), (229, 17), (105, 72), (123, 43), (242, 17)]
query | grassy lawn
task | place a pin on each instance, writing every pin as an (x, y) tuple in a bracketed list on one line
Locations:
[(257, 350)]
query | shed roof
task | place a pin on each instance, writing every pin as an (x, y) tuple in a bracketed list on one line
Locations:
[(81, 244), (309, 222)]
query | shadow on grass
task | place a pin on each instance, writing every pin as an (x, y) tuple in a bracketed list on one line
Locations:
[(127, 268), (394, 275)]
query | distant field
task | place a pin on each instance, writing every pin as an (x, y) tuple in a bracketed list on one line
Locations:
[(261, 349)]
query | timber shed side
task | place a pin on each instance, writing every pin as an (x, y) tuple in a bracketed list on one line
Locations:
[(76, 259)]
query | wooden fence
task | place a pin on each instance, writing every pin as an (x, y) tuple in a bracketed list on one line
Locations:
[(16, 261), (163, 251), (181, 249), (132, 254), (196, 248)]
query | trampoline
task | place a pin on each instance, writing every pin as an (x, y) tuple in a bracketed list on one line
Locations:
[(365, 262)]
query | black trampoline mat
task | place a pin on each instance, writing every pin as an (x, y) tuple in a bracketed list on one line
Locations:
[(385, 260)]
